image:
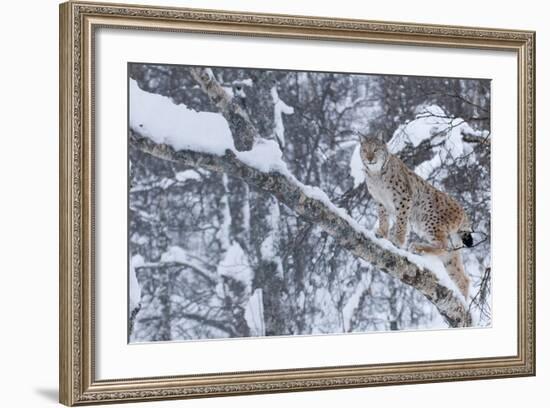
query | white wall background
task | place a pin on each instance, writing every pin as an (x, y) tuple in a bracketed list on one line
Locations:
[(29, 189)]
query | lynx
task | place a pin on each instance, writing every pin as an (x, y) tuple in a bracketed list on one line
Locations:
[(413, 203)]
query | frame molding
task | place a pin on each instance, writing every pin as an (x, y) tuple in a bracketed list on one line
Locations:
[(77, 382)]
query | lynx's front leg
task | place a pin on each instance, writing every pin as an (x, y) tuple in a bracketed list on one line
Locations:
[(400, 228), (383, 222)]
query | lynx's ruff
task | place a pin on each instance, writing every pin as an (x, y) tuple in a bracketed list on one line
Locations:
[(413, 203)]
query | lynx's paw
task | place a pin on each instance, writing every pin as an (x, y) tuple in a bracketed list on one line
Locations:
[(399, 243)]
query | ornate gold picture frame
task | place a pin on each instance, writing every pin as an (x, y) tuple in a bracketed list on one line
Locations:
[(79, 22)]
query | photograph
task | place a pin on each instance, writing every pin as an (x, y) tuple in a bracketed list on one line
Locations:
[(268, 202)]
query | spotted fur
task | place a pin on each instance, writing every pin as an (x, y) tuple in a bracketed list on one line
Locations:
[(412, 203)]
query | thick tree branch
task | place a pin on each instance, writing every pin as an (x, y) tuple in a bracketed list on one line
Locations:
[(195, 268), (241, 128), (294, 195), (476, 137)]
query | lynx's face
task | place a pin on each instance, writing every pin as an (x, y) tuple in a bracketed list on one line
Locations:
[(374, 154)]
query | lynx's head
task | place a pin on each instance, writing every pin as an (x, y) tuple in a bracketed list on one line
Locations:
[(374, 153)]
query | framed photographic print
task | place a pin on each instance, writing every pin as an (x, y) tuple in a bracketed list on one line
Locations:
[(261, 203)]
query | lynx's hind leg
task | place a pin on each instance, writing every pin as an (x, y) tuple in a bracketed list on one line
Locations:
[(438, 245), (455, 268)]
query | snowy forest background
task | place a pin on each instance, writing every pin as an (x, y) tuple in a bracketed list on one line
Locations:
[(212, 257)]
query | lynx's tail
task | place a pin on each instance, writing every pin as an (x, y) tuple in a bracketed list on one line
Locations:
[(452, 259), (465, 232), (455, 268)]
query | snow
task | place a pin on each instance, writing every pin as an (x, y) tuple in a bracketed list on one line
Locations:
[(274, 215), (323, 299), (444, 133), (247, 82), (317, 194), (229, 91), (183, 176), (352, 303), (180, 255), (269, 249), (356, 167), (166, 183), (223, 234), (429, 110), (254, 313), (279, 107), (245, 209), (139, 239), (135, 290), (174, 254), (265, 156), (209, 72), (158, 118), (235, 265), (468, 131)]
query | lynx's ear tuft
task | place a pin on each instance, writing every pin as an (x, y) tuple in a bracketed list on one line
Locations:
[(361, 137)]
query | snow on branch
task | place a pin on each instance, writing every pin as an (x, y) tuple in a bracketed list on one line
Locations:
[(280, 107), (444, 134), (474, 136), (242, 129), (262, 167)]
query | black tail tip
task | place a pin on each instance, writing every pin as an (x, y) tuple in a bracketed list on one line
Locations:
[(467, 239)]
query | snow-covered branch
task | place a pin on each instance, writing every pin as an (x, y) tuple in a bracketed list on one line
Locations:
[(170, 264), (471, 136), (241, 128), (425, 275), (228, 143)]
